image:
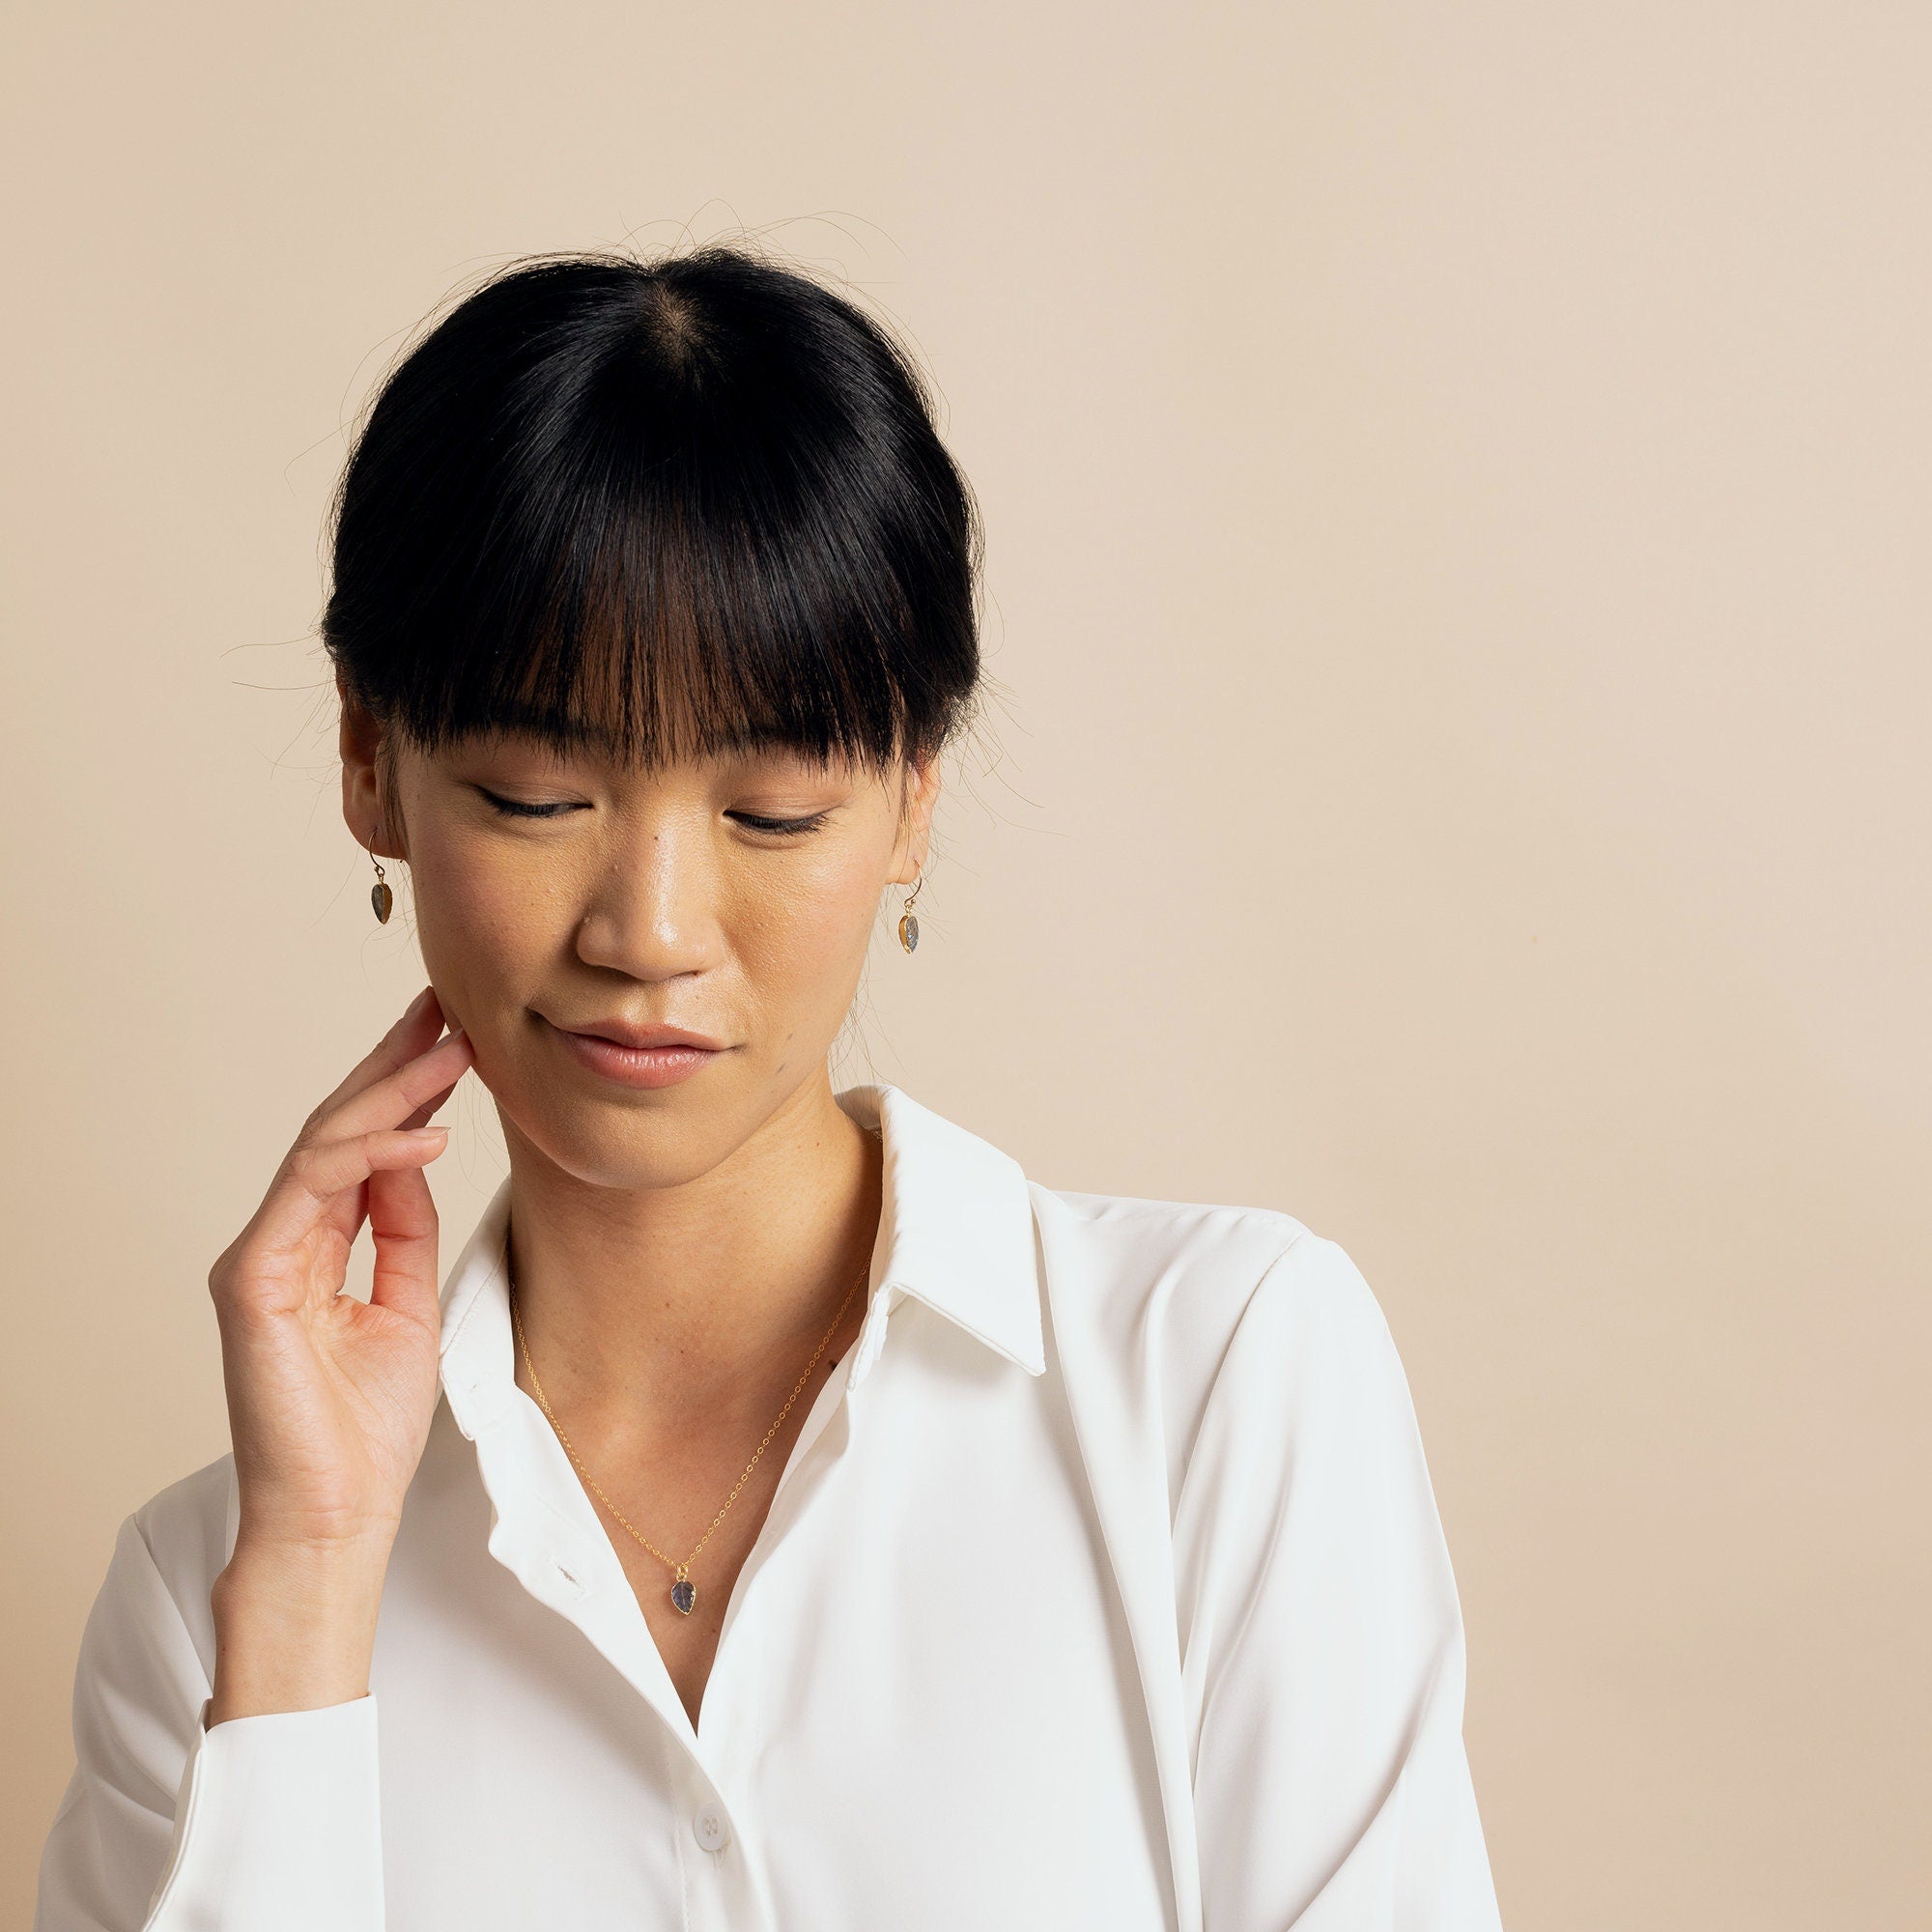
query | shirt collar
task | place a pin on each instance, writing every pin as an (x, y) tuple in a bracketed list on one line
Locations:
[(955, 1232)]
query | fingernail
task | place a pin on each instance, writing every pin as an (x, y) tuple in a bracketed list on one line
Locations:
[(424, 1133)]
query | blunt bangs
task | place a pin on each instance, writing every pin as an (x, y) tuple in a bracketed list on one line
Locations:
[(660, 510)]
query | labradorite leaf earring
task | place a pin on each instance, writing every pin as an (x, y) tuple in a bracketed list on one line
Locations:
[(908, 919), (380, 894)]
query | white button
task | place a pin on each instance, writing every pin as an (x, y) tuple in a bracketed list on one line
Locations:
[(711, 1829)]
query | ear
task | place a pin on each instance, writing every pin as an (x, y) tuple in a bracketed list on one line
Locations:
[(361, 743), (915, 847)]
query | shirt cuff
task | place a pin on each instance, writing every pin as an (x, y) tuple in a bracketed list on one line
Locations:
[(278, 1826)]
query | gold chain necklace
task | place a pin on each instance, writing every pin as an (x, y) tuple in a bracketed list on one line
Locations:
[(683, 1591)]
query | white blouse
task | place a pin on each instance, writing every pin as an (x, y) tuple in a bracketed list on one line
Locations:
[(1104, 1588)]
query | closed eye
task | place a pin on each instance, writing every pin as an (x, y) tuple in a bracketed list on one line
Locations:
[(517, 807), (785, 826)]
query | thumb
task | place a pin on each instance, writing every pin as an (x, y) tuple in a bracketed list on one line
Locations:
[(403, 1219)]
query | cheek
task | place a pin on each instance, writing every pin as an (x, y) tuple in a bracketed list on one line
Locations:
[(483, 915), (807, 936)]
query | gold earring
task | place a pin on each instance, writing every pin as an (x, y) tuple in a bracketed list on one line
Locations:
[(380, 894), (908, 919)]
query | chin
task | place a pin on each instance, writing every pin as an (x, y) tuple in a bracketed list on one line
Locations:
[(624, 1148)]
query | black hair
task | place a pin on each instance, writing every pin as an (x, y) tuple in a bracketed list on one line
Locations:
[(661, 509)]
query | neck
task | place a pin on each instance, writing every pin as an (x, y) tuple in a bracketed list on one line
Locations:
[(640, 1306)]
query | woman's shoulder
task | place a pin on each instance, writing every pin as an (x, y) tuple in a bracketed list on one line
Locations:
[(1167, 1298), (1206, 1262)]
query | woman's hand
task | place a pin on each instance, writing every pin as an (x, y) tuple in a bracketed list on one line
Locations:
[(330, 1399)]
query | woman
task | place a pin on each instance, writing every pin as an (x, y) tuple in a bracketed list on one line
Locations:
[(787, 1515)]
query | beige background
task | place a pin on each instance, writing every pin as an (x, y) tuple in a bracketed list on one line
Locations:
[(1456, 482)]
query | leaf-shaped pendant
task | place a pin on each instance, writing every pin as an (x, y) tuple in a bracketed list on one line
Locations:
[(909, 930), (684, 1594), (381, 899)]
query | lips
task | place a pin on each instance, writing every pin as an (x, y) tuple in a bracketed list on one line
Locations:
[(641, 1039), (629, 1054)]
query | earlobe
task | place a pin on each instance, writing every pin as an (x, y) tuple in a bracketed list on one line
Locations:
[(359, 741), (360, 812), (919, 797), (359, 805)]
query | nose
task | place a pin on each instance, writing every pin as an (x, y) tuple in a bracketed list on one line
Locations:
[(652, 911)]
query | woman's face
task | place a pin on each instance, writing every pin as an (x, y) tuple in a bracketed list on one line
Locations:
[(563, 899)]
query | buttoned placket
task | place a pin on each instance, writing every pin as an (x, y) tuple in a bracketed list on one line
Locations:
[(547, 1533)]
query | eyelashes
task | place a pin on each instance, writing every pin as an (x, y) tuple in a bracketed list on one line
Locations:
[(515, 808), (784, 828), (790, 828)]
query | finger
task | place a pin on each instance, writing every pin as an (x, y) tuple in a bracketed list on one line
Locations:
[(389, 1105), (423, 1114), (313, 1179), (416, 1030), (411, 1035), (391, 1100), (403, 1219)]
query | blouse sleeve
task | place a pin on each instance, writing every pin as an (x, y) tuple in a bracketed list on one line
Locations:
[(1323, 1648), (263, 1824)]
